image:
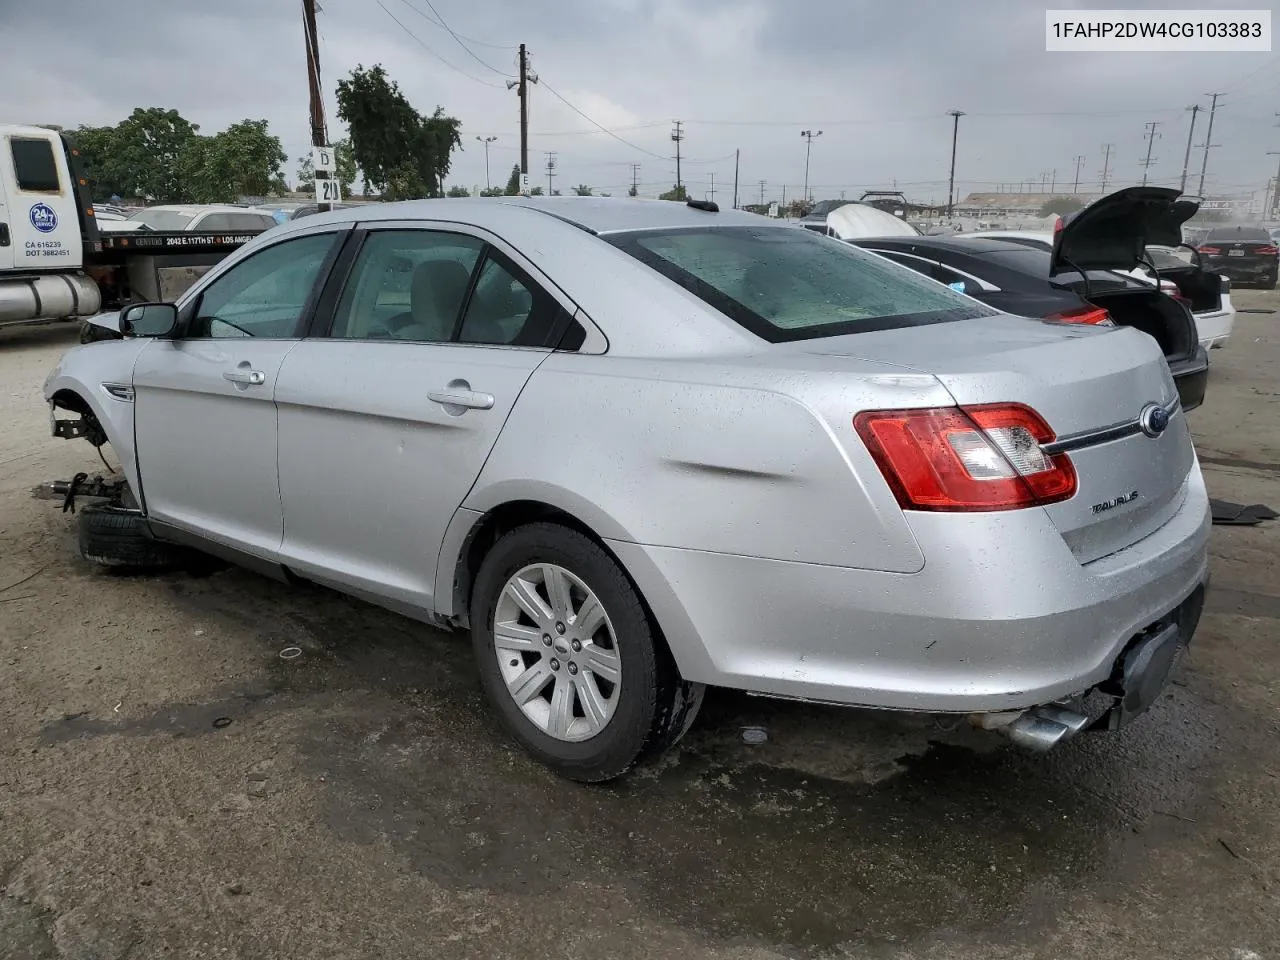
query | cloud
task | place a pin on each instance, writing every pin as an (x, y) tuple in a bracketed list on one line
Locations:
[(749, 75)]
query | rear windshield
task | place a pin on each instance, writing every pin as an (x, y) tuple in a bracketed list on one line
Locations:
[(782, 283), (1240, 235), (1035, 263), (162, 219)]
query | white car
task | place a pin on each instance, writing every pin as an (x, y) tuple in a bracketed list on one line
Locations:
[(174, 217), (1214, 315)]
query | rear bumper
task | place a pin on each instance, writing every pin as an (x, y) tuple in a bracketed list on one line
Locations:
[(1002, 617), (1247, 270), (1213, 329), (1191, 376)]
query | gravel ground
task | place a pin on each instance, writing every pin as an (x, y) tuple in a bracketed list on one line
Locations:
[(362, 801)]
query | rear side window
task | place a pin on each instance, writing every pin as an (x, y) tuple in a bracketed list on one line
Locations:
[(784, 284), (234, 222), (508, 307), (407, 285), (34, 165)]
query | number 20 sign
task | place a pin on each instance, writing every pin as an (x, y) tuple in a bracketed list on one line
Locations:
[(328, 191)]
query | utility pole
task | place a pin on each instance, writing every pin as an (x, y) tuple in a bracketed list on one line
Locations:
[(762, 193), (712, 191), (486, 141), (1053, 180), (1208, 141), (527, 77), (635, 179), (1106, 164), (319, 135), (808, 146), (677, 135), (1275, 189), (736, 157), (1151, 141), (551, 169), (784, 197), (1186, 158), (955, 133), (1075, 186)]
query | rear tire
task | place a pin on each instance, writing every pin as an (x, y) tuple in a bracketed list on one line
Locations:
[(648, 709), (115, 536)]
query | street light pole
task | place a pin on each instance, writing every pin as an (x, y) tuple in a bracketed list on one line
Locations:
[(486, 141), (808, 146), (955, 133)]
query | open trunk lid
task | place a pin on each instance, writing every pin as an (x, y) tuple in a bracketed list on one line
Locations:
[(1113, 233), (1090, 384)]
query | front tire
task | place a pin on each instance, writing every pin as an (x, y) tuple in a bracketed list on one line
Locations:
[(570, 658), (116, 536)]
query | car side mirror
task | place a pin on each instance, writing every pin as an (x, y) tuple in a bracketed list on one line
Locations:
[(148, 319)]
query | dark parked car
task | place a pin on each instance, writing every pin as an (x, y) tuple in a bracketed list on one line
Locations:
[(1076, 282), (1244, 254)]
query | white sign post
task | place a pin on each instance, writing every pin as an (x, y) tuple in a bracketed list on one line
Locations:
[(524, 184), (324, 163), (323, 159)]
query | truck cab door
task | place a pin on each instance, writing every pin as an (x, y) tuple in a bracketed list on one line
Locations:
[(6, 230), (38, 195)]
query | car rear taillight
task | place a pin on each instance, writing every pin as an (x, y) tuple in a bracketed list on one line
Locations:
[(1268, 251), (1209, 250), (974, 458), (1087, 314)]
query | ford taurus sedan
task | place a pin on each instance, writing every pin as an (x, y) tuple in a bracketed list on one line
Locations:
[(636, 448)]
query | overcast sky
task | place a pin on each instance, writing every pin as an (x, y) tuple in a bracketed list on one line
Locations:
[(877, 77)]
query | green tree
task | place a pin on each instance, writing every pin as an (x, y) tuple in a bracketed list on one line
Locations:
[(535, 192), (675, 193), (582, 190), (402, 153), (1061, 206), (102, 166), (513, 182), (456, 191), (493, 192), (243, 160), (140, 156)]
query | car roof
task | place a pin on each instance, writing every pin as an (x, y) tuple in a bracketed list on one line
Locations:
[(598, 215)]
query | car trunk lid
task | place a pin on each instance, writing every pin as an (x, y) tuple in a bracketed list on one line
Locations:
[(1090, 384), (1114, 232)]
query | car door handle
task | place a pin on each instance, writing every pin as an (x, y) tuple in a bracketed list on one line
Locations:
[(252, 377), (461, 395)]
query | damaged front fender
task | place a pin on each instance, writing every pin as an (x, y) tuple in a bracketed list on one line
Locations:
[(90, 392)]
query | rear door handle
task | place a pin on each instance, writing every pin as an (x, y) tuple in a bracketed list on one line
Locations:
[(254, 378), (459, 394)]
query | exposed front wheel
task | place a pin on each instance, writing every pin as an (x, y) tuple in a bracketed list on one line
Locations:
[(569, 657), (117, 536)]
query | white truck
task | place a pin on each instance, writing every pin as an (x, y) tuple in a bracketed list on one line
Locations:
[(54, 262)]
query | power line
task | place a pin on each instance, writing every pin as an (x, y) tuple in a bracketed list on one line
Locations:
[(424, 46), (470, 52), (478, 43), (603, 129)]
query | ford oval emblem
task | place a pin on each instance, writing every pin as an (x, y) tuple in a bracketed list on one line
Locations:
[(1154, 419)]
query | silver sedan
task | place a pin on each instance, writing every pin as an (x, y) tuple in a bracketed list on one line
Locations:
[(641, 447)]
